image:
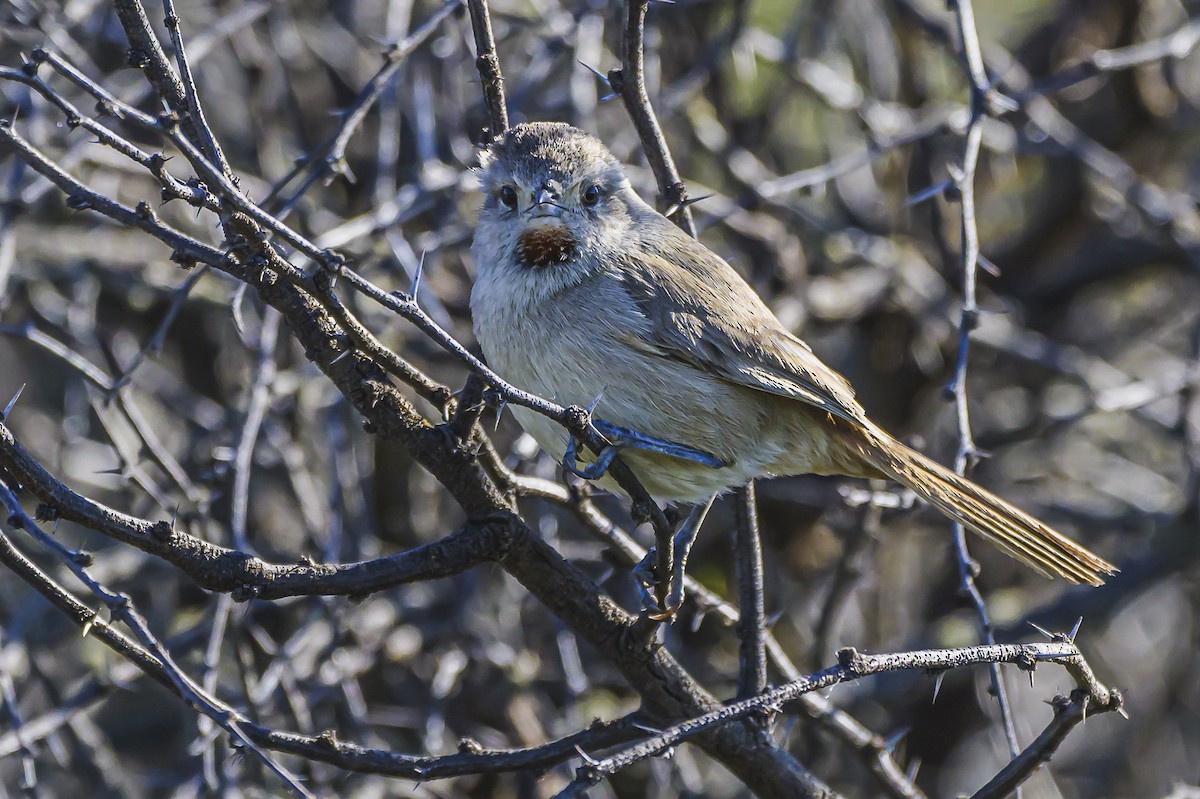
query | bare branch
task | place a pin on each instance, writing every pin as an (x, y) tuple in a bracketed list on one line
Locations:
[(853, 665), (488, 64), (630, 82), (967, 454), (752, 622)]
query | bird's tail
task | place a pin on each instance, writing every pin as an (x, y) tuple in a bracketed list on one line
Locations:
[(1016, 532)]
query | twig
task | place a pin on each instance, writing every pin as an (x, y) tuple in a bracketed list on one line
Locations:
[(488, 64), (630, 82), (122, 608), (8, 704), (127, 405), (188, 250), (147, 54), (79, 197), (256, 409), (8, 212), (227, 570), (853, 665), (977, 79), (1068, 712), (849, 569), (155, 342), (1176, 45), (332, 152), (207, 142)]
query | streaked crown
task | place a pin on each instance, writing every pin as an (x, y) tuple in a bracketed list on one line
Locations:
[(548, 150)]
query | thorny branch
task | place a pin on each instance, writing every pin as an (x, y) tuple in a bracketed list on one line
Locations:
[(630, 82), (964, 181), (122, 609), (853, 665)]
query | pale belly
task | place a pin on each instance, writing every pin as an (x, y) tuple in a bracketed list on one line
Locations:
[(581, 359), (756, 434)]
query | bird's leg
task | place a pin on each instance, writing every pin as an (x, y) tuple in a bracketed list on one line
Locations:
[(623, 438), (684, 537)]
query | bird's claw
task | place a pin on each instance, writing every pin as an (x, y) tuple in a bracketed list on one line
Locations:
[(623, 438), (647, 582), (594, 470), (666, 608)]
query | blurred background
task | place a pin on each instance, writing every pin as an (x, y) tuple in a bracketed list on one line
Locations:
[(823, 132)]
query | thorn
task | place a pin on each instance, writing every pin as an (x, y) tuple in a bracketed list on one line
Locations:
[(687, 202), (592, 406), (988, 266), (913, 769), (591, 761), (416, 282), (894, 740), (1075, 630), (937, 686), (8, 408), (647, 728), (1001, 102), (1042, 630), (341, 355), (239, 322), (340, 167), (500, 413), (599, 75), (927, 193), (1124, 713)]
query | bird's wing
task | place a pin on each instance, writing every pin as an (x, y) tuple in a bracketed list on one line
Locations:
[(678, 284)]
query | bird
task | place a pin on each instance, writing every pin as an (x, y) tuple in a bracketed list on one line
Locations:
[(586, 295)]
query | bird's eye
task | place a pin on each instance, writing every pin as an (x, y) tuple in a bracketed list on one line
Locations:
[(508, 196), (591, 195)]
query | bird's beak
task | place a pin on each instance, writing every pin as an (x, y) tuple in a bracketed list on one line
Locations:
[(545, 205)]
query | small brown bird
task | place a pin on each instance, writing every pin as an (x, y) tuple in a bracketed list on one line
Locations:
[(585, 294)]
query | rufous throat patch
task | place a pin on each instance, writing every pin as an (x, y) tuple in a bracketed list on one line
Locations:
[(546, 245)]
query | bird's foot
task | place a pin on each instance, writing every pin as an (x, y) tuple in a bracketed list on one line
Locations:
[(648, 584), (620, 438), (663, 605)]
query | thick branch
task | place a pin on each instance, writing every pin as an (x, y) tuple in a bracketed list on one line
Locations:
[(227, 570)]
